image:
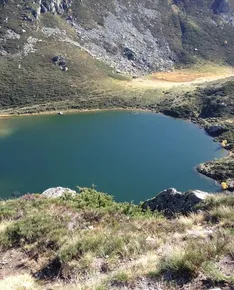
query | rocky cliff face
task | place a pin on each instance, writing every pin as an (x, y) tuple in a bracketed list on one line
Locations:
[(136, 37)]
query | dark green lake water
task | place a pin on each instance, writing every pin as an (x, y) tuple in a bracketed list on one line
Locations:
[(131, 156)]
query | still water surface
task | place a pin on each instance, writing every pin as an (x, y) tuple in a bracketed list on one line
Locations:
[(132, 156)]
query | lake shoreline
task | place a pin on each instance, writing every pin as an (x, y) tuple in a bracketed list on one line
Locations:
[(196, 121), (74, 111)]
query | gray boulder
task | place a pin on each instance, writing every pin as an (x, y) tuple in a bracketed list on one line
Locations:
[(43, 9), (58, 192), (61, 62), (171, 201)]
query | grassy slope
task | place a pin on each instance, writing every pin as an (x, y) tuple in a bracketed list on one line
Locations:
[(38, 82), (93, 242), (39, 85), (203, 33)]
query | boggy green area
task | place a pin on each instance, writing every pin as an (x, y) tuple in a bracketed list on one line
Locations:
[(131, 155)]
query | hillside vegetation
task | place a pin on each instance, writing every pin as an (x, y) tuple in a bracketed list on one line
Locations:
[(64, 54), (91, 242), (97, 41)]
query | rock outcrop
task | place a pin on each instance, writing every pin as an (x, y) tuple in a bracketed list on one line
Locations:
[(215, 130), (58, 192), (171, 201), (219, 169), (61, 62), (221, 6)]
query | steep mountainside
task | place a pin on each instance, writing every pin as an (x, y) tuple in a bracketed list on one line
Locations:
[(73, 51), (138, 36), (133, 36)]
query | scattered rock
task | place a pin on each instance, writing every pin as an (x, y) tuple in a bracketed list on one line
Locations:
[(43, 9), (55, 59), (57, 192), (171, 201), (129, 54), (28, 18), (29, 46), (61, 62), (36, 13), (12, 34)]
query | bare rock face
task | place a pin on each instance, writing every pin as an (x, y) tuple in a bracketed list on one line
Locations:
[(58, 192), (128, 36), (54, 6), (171, 201)]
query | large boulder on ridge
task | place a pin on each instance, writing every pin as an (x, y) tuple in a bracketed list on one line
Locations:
[(171, 201), (58, 192)]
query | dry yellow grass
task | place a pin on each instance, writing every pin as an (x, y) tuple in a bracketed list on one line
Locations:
[(185, 77), (4, 225), (102, 247), (18, 282)]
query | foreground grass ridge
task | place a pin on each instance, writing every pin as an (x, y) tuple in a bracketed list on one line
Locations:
[(89, 241)]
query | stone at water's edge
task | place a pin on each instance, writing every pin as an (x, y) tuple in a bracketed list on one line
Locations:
[(57, 192), (171, 201)]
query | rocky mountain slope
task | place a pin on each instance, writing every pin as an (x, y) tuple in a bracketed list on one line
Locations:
[(95, 41), (133, 36)]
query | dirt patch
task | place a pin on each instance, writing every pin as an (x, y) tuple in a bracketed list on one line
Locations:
[(178, 76), (226, 265), (181, 78), (11, 262)]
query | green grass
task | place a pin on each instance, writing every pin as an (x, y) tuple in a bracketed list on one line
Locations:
[(120, 279), (212, 271)]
